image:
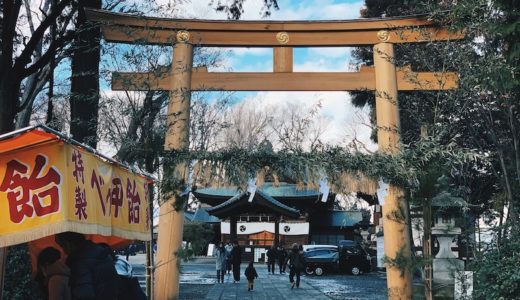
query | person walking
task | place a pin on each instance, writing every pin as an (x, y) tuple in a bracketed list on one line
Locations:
[(236, 260), (271, 258), (220, 261), (229, 248), (281, 256), (296, 264), (250, 275)]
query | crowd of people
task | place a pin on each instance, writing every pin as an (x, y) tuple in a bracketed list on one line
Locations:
[(91, 271), (228, 258)]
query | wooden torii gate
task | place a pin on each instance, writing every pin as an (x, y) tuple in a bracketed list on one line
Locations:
[(282, 36)]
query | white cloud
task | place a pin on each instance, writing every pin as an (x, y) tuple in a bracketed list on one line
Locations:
[(317, 10), (345, 121), (250, 51), (320, 65), (304, 10), (332, 52)]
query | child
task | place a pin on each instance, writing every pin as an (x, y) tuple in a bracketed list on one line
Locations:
[(250, 275)]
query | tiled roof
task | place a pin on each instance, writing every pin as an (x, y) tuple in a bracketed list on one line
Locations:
[(260, 198), (201, 215), (283, 190)]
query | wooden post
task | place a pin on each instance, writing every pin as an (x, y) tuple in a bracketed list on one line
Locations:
[(395, 216), (282, 59), (277, 230), (177, 137), (427, 249), (427, 237), (233, 228)]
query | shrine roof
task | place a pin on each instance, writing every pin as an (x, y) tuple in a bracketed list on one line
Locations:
[(282, 190), (261, 201), (201, 215)]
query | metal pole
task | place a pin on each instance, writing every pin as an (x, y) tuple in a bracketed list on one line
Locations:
[(3, 262), (395, 216), (149, 247)]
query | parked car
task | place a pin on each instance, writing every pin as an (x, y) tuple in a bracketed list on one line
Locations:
[(348, 256), (315, 247), (319, 260), (353, 257)]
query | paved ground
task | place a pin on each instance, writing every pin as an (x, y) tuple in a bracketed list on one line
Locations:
[(198, 282), (275, 287)]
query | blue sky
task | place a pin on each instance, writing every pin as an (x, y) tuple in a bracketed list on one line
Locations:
[(344, 121)]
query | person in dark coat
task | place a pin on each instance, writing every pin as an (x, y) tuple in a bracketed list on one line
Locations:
[(271, 258), (250, 275), (228, 248), (56, 274), (236, 260), (296, 264), (92, 271), (281, 256)]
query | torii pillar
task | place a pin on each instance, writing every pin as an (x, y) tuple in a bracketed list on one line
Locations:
[(171, 222), (395, 218), (281, 36)]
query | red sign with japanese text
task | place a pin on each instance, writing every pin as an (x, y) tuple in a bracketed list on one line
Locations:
[(60, 187)]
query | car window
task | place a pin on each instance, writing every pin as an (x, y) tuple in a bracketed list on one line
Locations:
[(316, 252), (353, 250)]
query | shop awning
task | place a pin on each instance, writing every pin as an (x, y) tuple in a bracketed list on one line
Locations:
[(51, 184)]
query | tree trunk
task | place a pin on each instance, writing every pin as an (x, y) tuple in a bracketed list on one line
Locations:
[(9, 88), (84, 100), (34, 84)]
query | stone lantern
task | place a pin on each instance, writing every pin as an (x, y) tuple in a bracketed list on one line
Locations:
[(445, 263)]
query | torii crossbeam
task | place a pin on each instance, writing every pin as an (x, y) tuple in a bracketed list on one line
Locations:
[(282, 36)]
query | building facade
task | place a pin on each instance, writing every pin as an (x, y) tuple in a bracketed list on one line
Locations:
[(279, 214)]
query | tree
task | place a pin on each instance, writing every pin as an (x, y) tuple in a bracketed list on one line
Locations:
[(199, 236), (295, 128), (24, 59), (235, 8), (84, 100), (248, 126), (482, 114)]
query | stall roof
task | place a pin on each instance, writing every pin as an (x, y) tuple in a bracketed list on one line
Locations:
[(38, 135)]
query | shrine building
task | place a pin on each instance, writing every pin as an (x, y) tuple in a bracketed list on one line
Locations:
[(283, 214)]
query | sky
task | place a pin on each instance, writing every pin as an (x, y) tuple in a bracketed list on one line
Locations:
[(345, 121)]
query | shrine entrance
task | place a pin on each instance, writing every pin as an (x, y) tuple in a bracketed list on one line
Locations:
[(384, 78)]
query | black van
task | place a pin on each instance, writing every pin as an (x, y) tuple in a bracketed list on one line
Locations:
[(353, 257)]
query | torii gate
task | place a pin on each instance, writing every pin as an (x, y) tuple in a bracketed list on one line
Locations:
[(181, 79)]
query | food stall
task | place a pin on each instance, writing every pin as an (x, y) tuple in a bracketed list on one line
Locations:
[(50, 184)]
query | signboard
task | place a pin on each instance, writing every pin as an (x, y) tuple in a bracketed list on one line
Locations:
[(57, 187)]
